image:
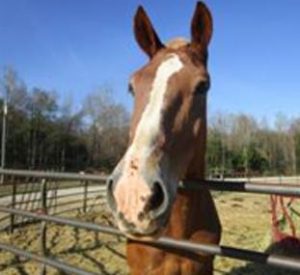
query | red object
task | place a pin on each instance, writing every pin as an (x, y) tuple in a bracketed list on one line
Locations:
[(280, 211)]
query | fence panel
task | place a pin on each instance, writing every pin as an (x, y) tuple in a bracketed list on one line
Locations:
[(44, 217)]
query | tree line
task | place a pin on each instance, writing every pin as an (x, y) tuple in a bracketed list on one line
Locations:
[(239, 145), (44, 134)]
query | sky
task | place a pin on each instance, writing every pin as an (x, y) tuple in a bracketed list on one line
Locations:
[(76, 46)]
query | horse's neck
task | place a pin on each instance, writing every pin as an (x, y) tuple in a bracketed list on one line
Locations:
[(190, 213)]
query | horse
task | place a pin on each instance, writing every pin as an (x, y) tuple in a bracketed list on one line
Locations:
[(167, 141)]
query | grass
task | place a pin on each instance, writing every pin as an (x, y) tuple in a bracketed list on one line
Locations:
[(95, 252), (246, 222), (245, 219)]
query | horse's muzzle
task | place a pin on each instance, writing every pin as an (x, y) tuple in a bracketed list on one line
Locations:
[(141, 208)]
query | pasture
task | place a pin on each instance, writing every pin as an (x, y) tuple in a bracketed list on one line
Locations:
[(246, 222)]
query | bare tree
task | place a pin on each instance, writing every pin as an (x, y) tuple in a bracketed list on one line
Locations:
[(108, 127)]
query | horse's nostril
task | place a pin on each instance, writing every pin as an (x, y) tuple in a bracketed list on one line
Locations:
[(157, 197)]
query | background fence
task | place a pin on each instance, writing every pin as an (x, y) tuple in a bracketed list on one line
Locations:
[(53, 193), (30, 196)]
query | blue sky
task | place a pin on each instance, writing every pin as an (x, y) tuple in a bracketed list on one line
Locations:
[(74, 46)]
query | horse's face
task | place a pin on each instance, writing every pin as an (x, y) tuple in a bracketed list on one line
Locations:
[(168, 117)]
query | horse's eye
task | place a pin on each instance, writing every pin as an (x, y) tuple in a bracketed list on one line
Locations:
[(202, 87), (130, 89)]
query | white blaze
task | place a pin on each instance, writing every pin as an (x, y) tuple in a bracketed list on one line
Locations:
[(148, 128), (132, 187)]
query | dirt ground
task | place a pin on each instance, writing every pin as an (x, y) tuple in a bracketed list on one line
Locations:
[(245, 219)]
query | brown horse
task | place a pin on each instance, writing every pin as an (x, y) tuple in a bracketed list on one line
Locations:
[(167, 145)]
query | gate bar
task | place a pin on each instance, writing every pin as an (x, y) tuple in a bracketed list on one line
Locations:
[(217, 185), (225, 251), (52, 175), (243, 186)]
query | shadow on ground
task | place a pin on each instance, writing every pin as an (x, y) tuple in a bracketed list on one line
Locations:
[(92, 251), (288, 247)]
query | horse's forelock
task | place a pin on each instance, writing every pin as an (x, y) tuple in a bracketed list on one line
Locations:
[(177, 43)]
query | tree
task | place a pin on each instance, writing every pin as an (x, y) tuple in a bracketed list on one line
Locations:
[(15, 92), (107, 132), (42, 110)]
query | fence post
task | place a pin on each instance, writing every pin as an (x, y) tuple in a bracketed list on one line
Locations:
[(13, 205), (85, 193), (43, 228)]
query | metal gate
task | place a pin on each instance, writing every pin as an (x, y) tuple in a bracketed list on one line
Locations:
[(44, 217)]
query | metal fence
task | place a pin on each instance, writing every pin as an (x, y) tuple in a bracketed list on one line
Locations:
[(44, 217), (55, 193)]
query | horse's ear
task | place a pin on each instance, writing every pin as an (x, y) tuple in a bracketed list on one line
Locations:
[(145, 34), (202, 26)]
